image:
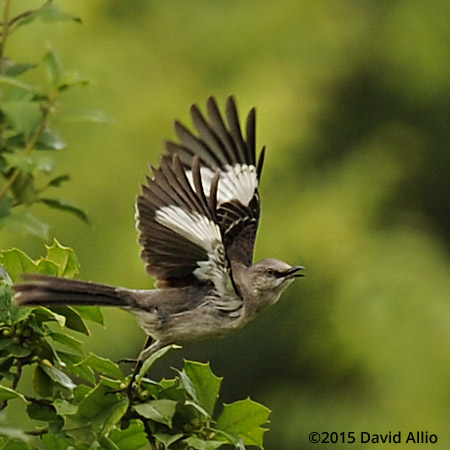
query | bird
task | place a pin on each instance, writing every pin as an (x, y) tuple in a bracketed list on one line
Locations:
[(197, 218)]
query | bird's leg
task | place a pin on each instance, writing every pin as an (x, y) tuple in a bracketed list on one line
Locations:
[(140, 360), (138, 365)]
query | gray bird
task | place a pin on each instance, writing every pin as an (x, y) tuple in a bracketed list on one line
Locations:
[(197, 220)]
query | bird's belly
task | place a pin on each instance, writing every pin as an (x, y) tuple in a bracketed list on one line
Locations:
[(191, 325)]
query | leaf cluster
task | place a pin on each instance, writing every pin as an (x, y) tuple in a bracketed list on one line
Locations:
[(84, 401), (28, 135)]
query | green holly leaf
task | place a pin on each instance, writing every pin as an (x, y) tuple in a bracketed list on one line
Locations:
[(16, 262), (131, 438), (45, 314), (200, 444), (92, 313), (64, 258), (42, 383), (57, 375), (205, 383), (71, 360), (245, 419), (73, 320), (168, 439), (154, 357), (69, 341), (102, 365), (43, 412), (99, 410), (160, 410), (47, 267), (52, 441)]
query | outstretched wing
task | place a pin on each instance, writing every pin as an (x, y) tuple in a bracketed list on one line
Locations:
[(181, 242), (223, 151)]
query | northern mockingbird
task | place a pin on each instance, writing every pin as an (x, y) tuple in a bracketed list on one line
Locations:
[(197, 219)]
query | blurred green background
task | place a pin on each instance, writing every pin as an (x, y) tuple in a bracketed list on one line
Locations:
[(353, 101)]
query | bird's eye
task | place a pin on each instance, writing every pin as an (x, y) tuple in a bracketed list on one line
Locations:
[(270, 272)]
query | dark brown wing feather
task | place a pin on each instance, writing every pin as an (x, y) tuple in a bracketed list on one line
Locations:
[(171, 256), (221, 147)]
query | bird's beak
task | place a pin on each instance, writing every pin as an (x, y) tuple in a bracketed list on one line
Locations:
[(293, 272)]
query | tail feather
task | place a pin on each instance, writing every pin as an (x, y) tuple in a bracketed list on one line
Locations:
[(48, 290)]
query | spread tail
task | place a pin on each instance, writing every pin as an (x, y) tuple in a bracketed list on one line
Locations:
[(48, 290)]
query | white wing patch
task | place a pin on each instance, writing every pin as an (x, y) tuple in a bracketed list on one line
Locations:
[(191, 225), (236, 182), (206, 234)]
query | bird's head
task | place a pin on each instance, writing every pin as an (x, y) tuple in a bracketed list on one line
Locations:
[(269, 278)]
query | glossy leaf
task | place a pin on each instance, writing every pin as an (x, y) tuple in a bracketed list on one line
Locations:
[(64, 258), (47, 267), (160, 410), (73, 320), (102, 365), (114, 413), (57, 375), (245, 419), (71, 360), (168, 439), (131, 438), (153, 358), (52, 441), (100, 409), (41, 411), (68, 341), (206, 384), (45, 314), (92, 313), (18, 350), (200, 444), (16, 262), (42, 382)]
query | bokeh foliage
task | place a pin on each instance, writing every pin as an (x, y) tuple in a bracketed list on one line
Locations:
[(353, 104)]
